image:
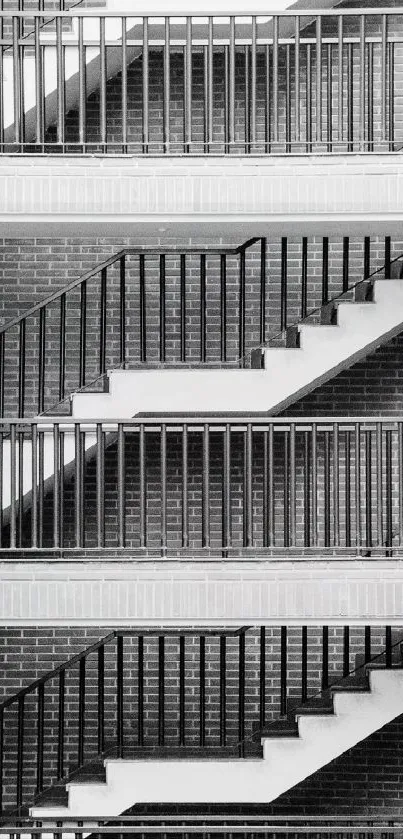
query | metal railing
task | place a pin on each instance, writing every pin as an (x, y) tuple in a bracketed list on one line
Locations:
[(295, 82), (183, 693), (190, 306), (203, 486)]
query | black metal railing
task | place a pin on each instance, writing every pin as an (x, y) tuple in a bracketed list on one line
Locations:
[(297, 81), (179, 692), (156, 307), (224, 487)]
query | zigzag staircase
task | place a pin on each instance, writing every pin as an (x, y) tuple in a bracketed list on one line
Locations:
[(187, 763)]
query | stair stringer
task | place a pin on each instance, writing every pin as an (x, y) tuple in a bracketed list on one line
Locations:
[(287, 760)]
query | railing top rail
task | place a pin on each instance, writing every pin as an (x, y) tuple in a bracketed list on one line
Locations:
[(162, 13), (202, 419), (218, 250), (216, 828), (349, 819)]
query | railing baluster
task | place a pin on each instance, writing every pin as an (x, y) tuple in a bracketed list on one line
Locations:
[(188, 86), (145, 78), (361, 128), (286, 490), (223, 307), (329, 97), (121, 487), (326, 468), (367, 644), (82, 92), (41, 485), (161, 690), (122, 310), (388, 488), (2, 359), (247, 100), (253, 85), (226, 522), (336, 486), (40, 737), (60, 726), (102, 325), (367, 257), (293, 488), (309, 98), (346, 258), (242, 304), (21, 437), (101, 700), (182, 673), (248, 484), (78, 487), (1, 758), (56, 486), (307, 489), (297, 80), (210, 82), (167, 84), (83, 334), (39, 99), (391, 96), (206, 488), (60, 76), (304, 664), (185, 512), (21, 369), (81, 713), (183, 306), (61, 487), (314, 485), (262, 331), (223, 691), (163, 468), (202, 691), (370, 97), (18, 113), (325, 270), (347, 505), (13, 486), (283, 671), (350, 97), (100, 485), (231, 119), (346, 650), (271, 524), (203, 323), (283, 289), (143, 311), (143, 487), (387, 258), (340, 80), (262, 678), (318, 58), (388, 646), (325, 657), (140, 692), (400, 479), (2, 502), (275, 80), (368, 489), (379, 486), (241, 696), (62, 349), (20, 750), (119, 696), (267, 116), (357, 455), (304, 278), (162, 309)]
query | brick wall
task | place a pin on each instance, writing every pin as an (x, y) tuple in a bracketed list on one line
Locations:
[(28, 653)]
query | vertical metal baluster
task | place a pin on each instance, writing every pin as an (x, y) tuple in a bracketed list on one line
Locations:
[(297, 80), (262, 330), (384, 84), (61, 488), (340, 80), (101, 700), (183, 306), (350, 97), (188, 86), (82, 97), (203, 324), (346, 650), (271, 525), (223, 306), (241, 696), (400, 478), (206, 488), (119, 696), (56, 486), (262, 678), (391, 95), (226, 523), (247, 100), (163, 466), (162, 309), (346, 258), (121, 487), (304, 663), (60, 728), (367, 256), (361, 130), (167, 85), (248, 479), (210, 97), (145, 77), (336, 486), (283, 671), (368, 489), (13, 486), (21, 369), (304, 278), (202, 691), (387, 258), (205, 99), (124, 84), (379, 486), (33, 533), (223, 691), (2, 149), (388, 646), (267, 116), (357, 455), (283, 289), (62, 349), (39, 99), (325, 270), (370, 97), (318, 59), (314, 485), (102, 325), (83, 334), (329, 98), (2, 365), (20, 750), (367, 644), (2, 779), (326, 467), (161, 690), (41, 485), (21, 436), (307, 498), (122, 311), (309, 98), (81, 712), (18, 115), (227, 82), (253, 85), (293, 489), (287, 98), (143, 487), (40, 737), (275, 80), (140, 693), (185, 511), (388, 489), (242, 303), (78, 488), (143, 311), (182, 676), (348, 487), (100, 486), (231, 118), (60, 82), (325, 657)]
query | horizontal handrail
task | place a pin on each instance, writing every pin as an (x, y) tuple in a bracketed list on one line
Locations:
[(141, 13), (214, 421)]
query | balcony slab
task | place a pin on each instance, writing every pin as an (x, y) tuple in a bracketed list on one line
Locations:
[(247, 591), (61, 195)]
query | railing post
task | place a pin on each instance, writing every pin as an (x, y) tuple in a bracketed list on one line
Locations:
[(283, 671), (101, 700), (202, 691), (20, 750), (262, 678), (242, 303), (122, 311), (40, 737), (283, 289), (60, 727), (81, 712), (161, 690), (119, 695), (182, 673), (241, 697)]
